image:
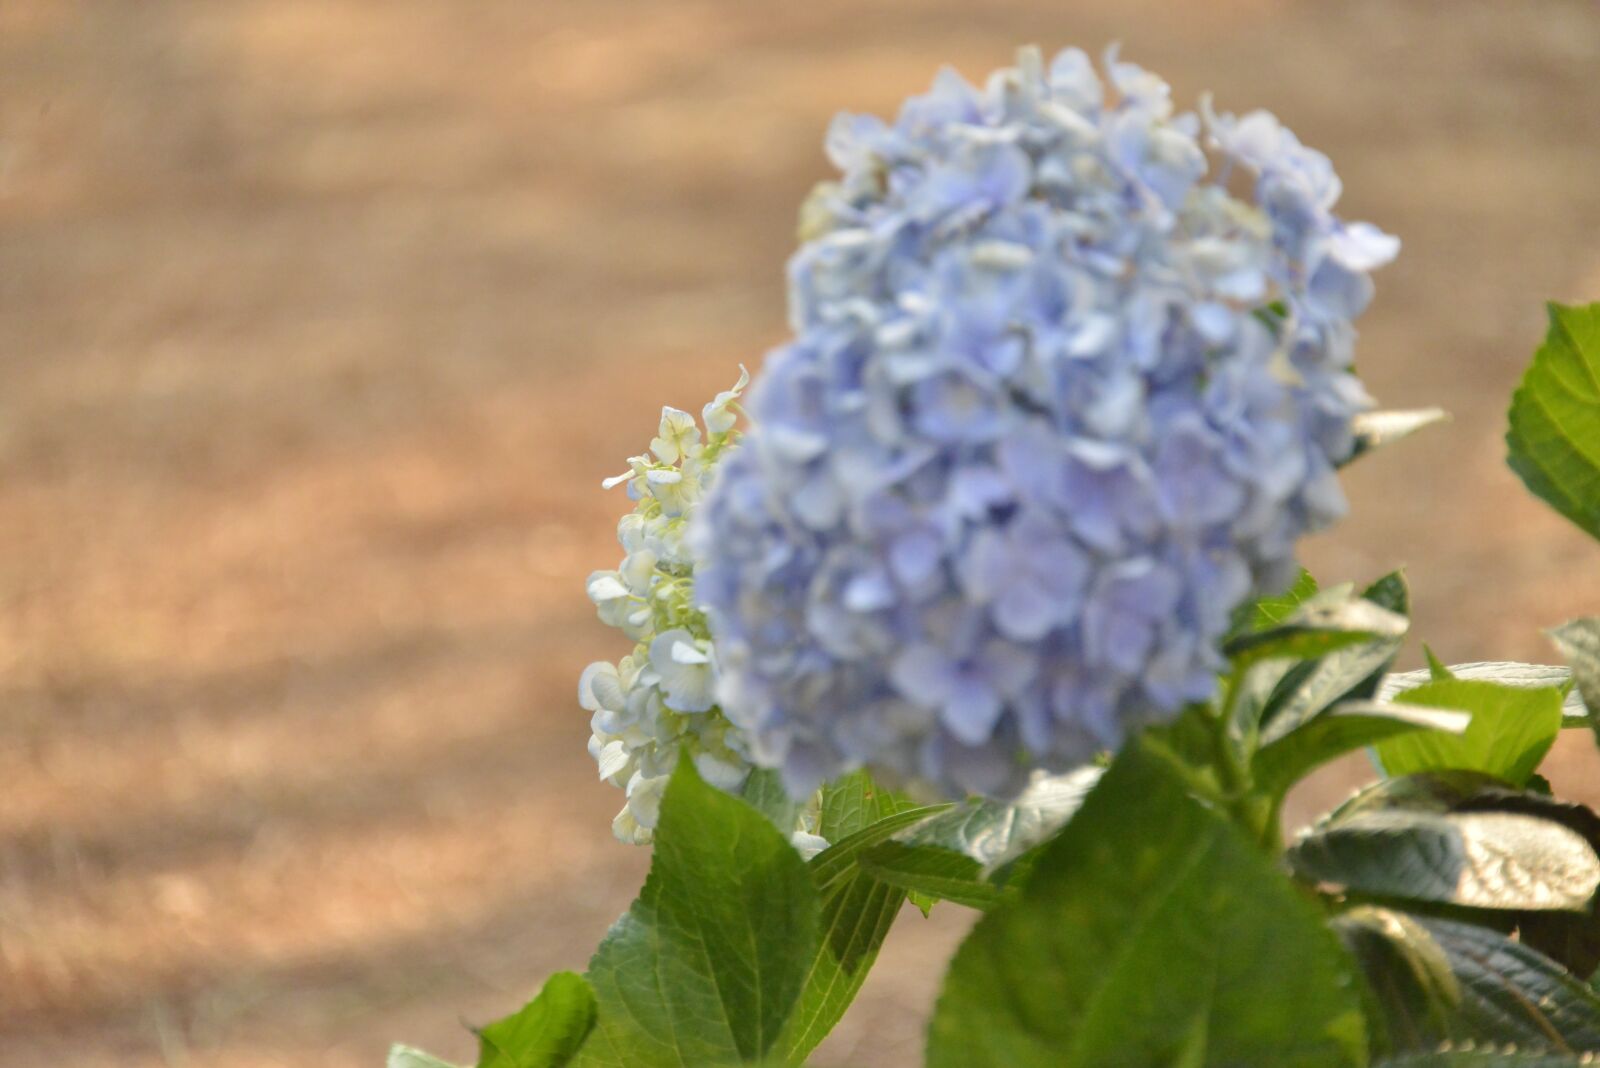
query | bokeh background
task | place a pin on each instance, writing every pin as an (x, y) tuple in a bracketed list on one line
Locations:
[(320, 323)]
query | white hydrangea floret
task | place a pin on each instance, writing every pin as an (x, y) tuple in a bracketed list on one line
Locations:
[(658, 702)]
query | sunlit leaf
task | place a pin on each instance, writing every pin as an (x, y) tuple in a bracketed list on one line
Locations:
[(1149, 932), (1554, 435)]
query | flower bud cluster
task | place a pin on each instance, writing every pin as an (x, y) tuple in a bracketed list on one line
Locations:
[(659, 699)]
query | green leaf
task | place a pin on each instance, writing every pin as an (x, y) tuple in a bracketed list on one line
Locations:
[(1149, 932), (1338, 730), (1373, 430), (1497, 991), (938, 873), (547, 1032), (1512, 729), (1331, 620), (1474, 859), (1436, 669), (994, 833), (1353, 672), (1269, 612), (857, 912), (707, 964), (1579, 642), (1505, 672), (764, 792), (406, 1057), (1570, 938), (1412, 991), (854, 802), (1554, 434)]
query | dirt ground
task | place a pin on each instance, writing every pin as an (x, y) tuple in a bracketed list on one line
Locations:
[(320, 323)]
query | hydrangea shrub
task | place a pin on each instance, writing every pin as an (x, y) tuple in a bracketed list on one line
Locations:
[(1013, 526)]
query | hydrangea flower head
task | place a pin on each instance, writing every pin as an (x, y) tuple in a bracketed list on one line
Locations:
[(1057, 401)]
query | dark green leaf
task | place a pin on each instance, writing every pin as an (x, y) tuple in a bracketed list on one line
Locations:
[(939, 873), (707, 964), (1505, 672), (1474, 859), (1512, 729), (1338, 730), (1412, 991), (1554, 435), (1570, 938), (547, 1032), (1373, 430), (1501, 992), (1149, 932)]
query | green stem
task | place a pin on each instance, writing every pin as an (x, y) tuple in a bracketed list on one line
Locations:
[(1256, 813)]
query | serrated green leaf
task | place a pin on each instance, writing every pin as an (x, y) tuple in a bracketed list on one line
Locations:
[(1473, 859), (1412, 991), (1503, 993), (1333, 619), (857, 912), (1512, 729), (1554, 434), (1579, 642), (706, 966), (1269, 612), (939, 873), (995, 833), (1149, 932), (854, 802), (1350, 673), (1333, 732), (1328, 647), (1505, 672), (1374, 430), (547, 1032), (839, 862), (1570, 938)]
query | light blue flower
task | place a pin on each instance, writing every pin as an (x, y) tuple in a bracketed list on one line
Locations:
[(1055, 404)]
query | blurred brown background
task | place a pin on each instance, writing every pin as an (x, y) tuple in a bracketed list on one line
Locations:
[(321, 321)]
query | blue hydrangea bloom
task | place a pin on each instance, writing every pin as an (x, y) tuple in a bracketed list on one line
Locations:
[(1057, 401)]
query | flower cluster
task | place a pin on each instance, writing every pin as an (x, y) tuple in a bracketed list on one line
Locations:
[(659, 700), (1057, 402)]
